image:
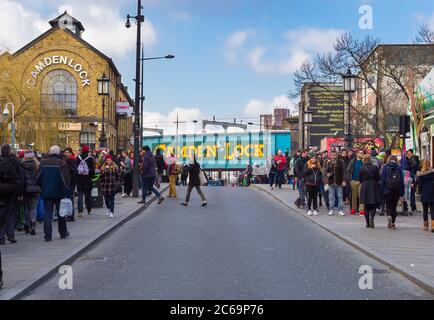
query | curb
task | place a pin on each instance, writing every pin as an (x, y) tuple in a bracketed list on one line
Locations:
[(27, 286), (421, 281)]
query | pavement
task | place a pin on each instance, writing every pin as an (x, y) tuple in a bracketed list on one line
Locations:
[(408, 250), (31, 260), (243, 245)]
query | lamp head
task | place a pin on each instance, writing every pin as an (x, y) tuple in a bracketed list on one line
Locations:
[(128, 23)]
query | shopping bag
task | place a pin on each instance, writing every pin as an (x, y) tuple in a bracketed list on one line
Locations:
[(65, 209), (40, 210), (203, 179)]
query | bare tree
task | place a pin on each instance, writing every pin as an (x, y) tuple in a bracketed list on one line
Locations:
[(424, 35)]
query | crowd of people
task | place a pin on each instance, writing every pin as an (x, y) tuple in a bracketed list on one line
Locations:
[(33, 185), (370, 182)]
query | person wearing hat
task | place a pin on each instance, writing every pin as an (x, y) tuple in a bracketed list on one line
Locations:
[(32, 190), (54, 181), (85, 174)]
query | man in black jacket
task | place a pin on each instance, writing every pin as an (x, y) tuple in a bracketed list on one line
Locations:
[(11, 172), (413, 165), (298, 171)]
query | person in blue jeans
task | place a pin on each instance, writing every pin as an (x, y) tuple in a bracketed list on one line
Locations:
[(335, 178), (54, 181), (148, 175)]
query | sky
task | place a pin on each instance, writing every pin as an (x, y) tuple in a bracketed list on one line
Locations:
[(234, 58)]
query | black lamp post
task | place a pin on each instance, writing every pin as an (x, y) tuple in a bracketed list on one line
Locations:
[(103, 91), (349, 81), (308, 121), (136, 128)]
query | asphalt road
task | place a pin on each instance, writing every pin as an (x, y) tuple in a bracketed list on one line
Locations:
[(244, 245)]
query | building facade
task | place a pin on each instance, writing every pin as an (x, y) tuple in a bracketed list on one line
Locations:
[(52, 83)]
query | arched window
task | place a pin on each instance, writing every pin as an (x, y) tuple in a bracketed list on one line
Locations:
[(59, 91)]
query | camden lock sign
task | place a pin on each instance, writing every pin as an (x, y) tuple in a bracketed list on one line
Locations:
[(53, 60)]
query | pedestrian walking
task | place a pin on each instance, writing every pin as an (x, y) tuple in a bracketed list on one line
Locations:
[(159, 160), (299, 165), (54, 181), (425, 182), (353, 172), (370, 189), (194, 173), (313, 175), (85, 174), (110, 179), (280, 161), (173, 175), (31, 192), (335, 179), (272, 173), (128, 174), (71, 162), (148, 175), (412, 165), (392, 188), (12, 173)]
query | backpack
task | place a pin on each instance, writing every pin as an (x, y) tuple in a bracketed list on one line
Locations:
[(83, 168), (394, 179)]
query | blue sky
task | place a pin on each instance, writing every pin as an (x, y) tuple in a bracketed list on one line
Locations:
[(233, 58)]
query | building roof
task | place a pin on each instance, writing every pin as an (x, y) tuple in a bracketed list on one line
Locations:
[(55, 21), (72, 34)]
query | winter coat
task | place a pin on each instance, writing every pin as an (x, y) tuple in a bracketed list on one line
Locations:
[(10, 178), (273, 167), (385, 174), (335, 172), (110, 177), (148, 165), (282, 164), (53, 178), (350, 168), (84, 183), (128, 165), (425, 181), (159, 160), (299, 165), (313, 175), (412, 165), (72, 165), (194, 171), (370, 187), (30, 174)]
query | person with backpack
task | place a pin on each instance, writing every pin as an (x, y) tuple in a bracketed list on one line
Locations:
[(392, 188), (110, 178), (370, 189), (11, 173), (313, 175), (148, 175), (194, 182), (54, 181), (159, 160), (425, 181), (31, 192), (71, 162), (85, 174)]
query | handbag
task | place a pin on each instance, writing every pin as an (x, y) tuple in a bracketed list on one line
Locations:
[(202, 178), (65, 209)]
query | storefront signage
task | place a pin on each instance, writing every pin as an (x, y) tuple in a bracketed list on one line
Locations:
[(63, 60), (69, 126), (123, 108)]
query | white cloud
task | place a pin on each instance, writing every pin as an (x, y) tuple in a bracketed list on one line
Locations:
[(18, 26), (104, 22), (186, 116), (256, 107), (235, 42), (285, 58)]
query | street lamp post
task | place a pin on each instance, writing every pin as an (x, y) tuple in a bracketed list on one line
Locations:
[(6, 114), (139, 19), (308, 121), (349, 81), (103, 91)]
